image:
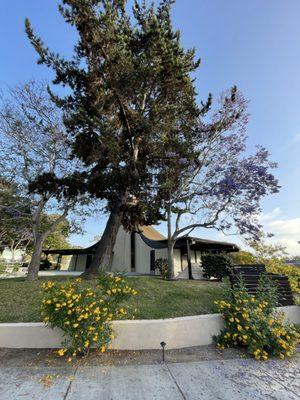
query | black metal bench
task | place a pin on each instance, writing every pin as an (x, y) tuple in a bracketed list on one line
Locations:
[(251, 274)]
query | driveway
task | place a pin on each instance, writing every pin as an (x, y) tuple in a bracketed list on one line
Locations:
[(232, 379)]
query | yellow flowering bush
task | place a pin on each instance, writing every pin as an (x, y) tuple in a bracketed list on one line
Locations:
[(85, 314), (292, 272), (252, 322)]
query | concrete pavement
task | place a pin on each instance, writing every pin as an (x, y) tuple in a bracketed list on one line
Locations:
[(232, 379)]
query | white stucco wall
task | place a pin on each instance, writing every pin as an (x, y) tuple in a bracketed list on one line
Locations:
[(177, 261), (81, 262), (132, 334), (68, 263), (122, 252), (122, 256), (142, 256)]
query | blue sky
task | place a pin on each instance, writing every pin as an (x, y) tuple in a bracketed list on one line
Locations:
[(253, 44)]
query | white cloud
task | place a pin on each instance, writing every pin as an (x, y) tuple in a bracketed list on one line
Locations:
[(270, 216), (286, 231)]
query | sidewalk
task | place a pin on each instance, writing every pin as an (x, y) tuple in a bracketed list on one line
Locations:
[(232, 379)]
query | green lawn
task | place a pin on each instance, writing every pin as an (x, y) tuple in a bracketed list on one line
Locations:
[(20, 300)]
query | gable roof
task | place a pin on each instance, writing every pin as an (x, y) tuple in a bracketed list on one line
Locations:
[(151, 233)]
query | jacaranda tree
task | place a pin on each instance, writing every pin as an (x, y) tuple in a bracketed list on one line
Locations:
[(222, 186)]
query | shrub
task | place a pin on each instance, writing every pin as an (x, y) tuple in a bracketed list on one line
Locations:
[(242, 257), (215, 265), (292, 272), (84, 314), (252, 323), (162, 265), (45, 264)]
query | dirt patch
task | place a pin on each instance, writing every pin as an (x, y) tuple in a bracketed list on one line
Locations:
[(40, 358)]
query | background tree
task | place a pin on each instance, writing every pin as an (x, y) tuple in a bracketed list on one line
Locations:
[(33, 142), (130, 93), (15, 229), (270, 254), (222, 187), (242, 257), (59, 237)]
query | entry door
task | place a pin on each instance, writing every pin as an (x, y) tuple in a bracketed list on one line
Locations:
[(152, 261)]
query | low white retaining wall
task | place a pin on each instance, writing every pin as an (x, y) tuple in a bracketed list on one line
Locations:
[(132, 334)]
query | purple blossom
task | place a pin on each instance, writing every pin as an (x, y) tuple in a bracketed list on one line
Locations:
[(171, 154), (183, 161)]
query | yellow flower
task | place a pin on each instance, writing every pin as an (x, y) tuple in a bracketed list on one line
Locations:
[(75, 325), (86, 343), (57, 305), (102, 349), (108, 292), (239, 328), (61, 352)]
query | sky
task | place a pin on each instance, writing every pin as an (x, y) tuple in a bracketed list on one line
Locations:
[(252, 44)]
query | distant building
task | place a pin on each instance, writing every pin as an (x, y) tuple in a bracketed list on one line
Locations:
[(8, 256)]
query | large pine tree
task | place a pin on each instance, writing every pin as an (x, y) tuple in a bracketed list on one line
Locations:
[(130, 98)]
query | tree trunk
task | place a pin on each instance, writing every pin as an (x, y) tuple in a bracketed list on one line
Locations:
[(39, 238), (12, 251), (171, 260), (34, 265), (104, 251), (171, 244)]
